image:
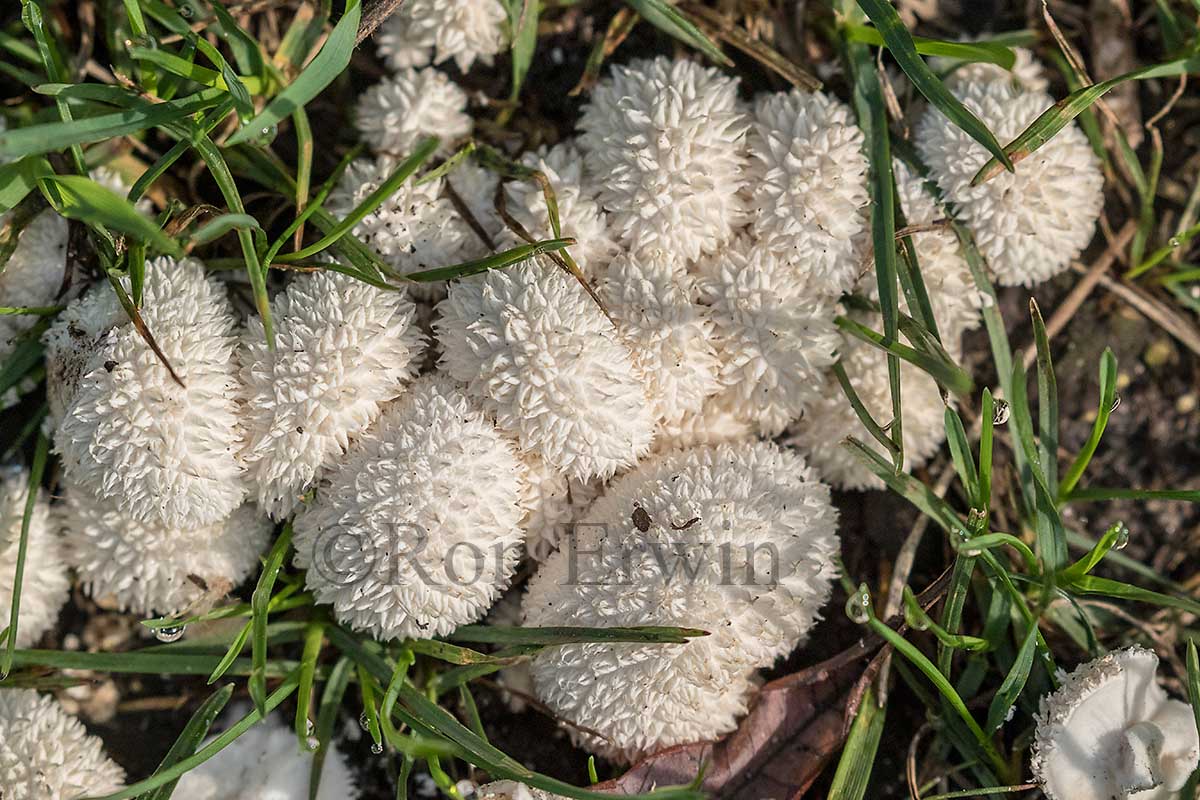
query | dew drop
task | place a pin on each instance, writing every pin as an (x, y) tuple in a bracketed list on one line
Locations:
[(858, 607), (308, 726), (1116, 403), (312, 743), (170, 634), (262, 137), (363, 722), (1174, 241), (1000, 412), (377, 748), (1122, 536), (186, 11)]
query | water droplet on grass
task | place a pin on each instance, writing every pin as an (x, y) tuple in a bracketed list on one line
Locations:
[(1000, 412), (172, 633)]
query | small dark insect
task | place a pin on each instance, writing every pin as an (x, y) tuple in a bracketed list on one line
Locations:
[(109, 366), (685, 525), (641, 520), (200, 583)]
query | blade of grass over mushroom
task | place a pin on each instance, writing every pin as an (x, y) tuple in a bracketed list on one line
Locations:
[(327, 716), (662, 15), (321, 71), (220, 225), (736, 36), (36, 471), (260, 603), (371, 202), (953, 377), (1108, 394), (864, 416), (908, 487), (853, 773), (960, 453), (218, 744), (1047, 404), (1059, 115), (499, 634), (18, 179), (190, 738), (77, 197), (1193, 679), (985, 52), (505, 258), (52, 136), (451, 653), (900, 44)]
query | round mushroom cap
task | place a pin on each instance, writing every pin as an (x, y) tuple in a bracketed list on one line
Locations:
[(737, 540), (45, 587), (396, 113), (1110, 732), (424, 31), (267, 762), (47, 753)]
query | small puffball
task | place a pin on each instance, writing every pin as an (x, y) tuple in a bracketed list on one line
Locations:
[(398, 112), (534, 347), (149, 569), (808, 184), (664, 139), (267, 762), (774, 335), (1030, 223), (418, 528), (1027, 72), (1109, 732), (33, 274), (46, 754), (129, 433), (737, 540), (45, 586), (343, 348), (425, 31)]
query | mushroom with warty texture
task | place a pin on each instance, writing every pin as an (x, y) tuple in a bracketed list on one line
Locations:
[(45, 586), (1109, 732), (163, 453), (737, 540), (417, 530), (46, 754), (395, 114), (421, 32)]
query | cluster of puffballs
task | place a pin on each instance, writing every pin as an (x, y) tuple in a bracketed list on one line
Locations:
[(424, 441)]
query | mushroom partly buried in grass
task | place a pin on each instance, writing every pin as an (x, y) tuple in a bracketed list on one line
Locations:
[(267, 762), (1110, 732), (46, 754), (418, 528), (421, 32), (45, 586), (737, 540), (396, 113)]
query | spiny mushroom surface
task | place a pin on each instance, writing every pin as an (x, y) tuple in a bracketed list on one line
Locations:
[(342, 349), (774, 335), (1030, 223), (396, 113), (665, 141), (129, 434), (432, 31), (46, 754), (267, 763), (149, 569), (537, 350), (45, 586), (1110, 732), (737, 540), (33, 273), (551, 502), (1027, 72), (808, 184), (418, 529)]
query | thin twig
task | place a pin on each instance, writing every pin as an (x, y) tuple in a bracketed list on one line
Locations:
[(374, 16)]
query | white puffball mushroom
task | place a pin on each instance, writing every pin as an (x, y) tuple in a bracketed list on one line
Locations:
[(149, 569), (33, 274), (47, 754), (1027, 72), (830, 418), (131, 435), (808, 184), (343, 348), (712, 424), (398, 112), (774, 334), (654, 303), (511, 790), (665, 141), (267, 763), (551, 501), (580, 215), (45, 586), (418, 528), (1030, 223), (1109, 732), (425, 31), (737, 540), (537, 350)]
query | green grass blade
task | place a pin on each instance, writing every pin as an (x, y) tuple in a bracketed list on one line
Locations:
[(1193, 679), (366, 685), (260, 604), (149, 661), (1014, 682), (190, 738), (77, 197), (984, 52), (246, 51), (949, 375), (987, 428), (500, 634), (1047, 402), (1090, 584), (908, 487), (52, 136), (220, 225), (1059, 115), (523, 21), (18, 178), (900, 45), (314, 637), (864, 416), (1112, 538), (327, 716), (853, 774), (36, 471), (231, 655), (321, 71), (1094, 494), (667, 19), (1108, 395), (505, 258), (960, 454)]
